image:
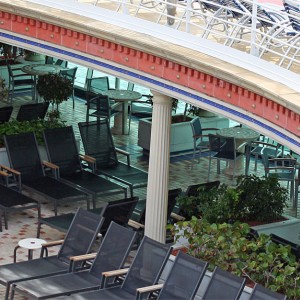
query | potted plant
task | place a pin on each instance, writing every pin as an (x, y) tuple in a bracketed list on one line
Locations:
[(54, 89), (229, 247), (259, 201)]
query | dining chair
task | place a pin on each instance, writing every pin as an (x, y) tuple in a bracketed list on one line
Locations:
[(70, 74), (16, 79), (224, 148), (200, 140), (284, 169)]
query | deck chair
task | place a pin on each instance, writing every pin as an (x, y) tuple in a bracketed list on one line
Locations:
[(98, 142), (24, 157), (62, 151), (145, 270), (224, 285), (118, 211), (78, 241), (5, 113), (178, 285), (112, 255), (259, 292), (11, 199), (29, 112)]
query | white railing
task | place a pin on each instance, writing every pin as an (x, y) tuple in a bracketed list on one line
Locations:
[(267, 31)]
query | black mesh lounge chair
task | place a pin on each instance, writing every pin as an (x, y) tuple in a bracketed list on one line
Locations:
[(11, 199), (178, 285), (145, 270), (24, 157), (224, 285), (78, 241), (111, 255), (62, 151), (98, 143), (118, 211), (5, 113), (261, 293), (29, 112)]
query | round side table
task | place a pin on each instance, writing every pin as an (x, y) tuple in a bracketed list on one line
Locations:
[(30, 244)]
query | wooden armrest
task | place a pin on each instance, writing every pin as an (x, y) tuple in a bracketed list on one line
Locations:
[(50, 165), (150, 288), (115, 272), (88, 158), (135, 224), (5, 174), (10, 170), (54, 243), (177, 217), (122, 152), (83, 257)]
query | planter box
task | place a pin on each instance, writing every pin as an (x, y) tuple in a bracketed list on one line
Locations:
[(181, 133), (288, 229)]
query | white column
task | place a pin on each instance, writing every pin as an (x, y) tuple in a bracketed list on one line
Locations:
[(158, 173)]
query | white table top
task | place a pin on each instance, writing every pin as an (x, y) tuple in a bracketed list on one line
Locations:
[(31, 243), (122, 95), (42, 69), (239, 133)]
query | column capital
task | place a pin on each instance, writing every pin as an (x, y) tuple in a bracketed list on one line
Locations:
[(160, 98)]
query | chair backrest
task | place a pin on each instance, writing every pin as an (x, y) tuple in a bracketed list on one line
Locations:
[(81, 234), (98, 142), (224, 146), (178, 284), (118, 211), (259, 292), (194, 189), (196, 126), (62, 149), (101, 104), (5, 113), (69, 74), (147, 265), (292, 8), (97, 85), (24, 156), (172, 195), (114, 249), (29, 112), (130, 86), (224, 285), (62, 63)]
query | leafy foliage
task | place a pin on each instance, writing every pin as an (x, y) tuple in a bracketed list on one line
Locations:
[(54, 88), (253, 199), (229, 247), (36, 126)]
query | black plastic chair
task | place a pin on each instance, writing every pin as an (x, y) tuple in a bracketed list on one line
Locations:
[(183, 280), (98, 142), (16, 79), (259, 292), (145, 270), (71, 75), (62, 151), (5, 113), (224, 285), (118, 211), (112, 255), (24, 157), (29, 112), (78, 241)]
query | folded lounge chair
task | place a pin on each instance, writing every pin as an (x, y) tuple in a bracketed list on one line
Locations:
[(118, 211), (25, 159), (111, 255), (62, 151), (98, 143), (145, 270), (78, 241)]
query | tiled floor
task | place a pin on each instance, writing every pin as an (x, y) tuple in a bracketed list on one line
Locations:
[(24, 224)]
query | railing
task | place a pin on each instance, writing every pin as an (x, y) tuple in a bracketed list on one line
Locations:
[(270, 32)]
